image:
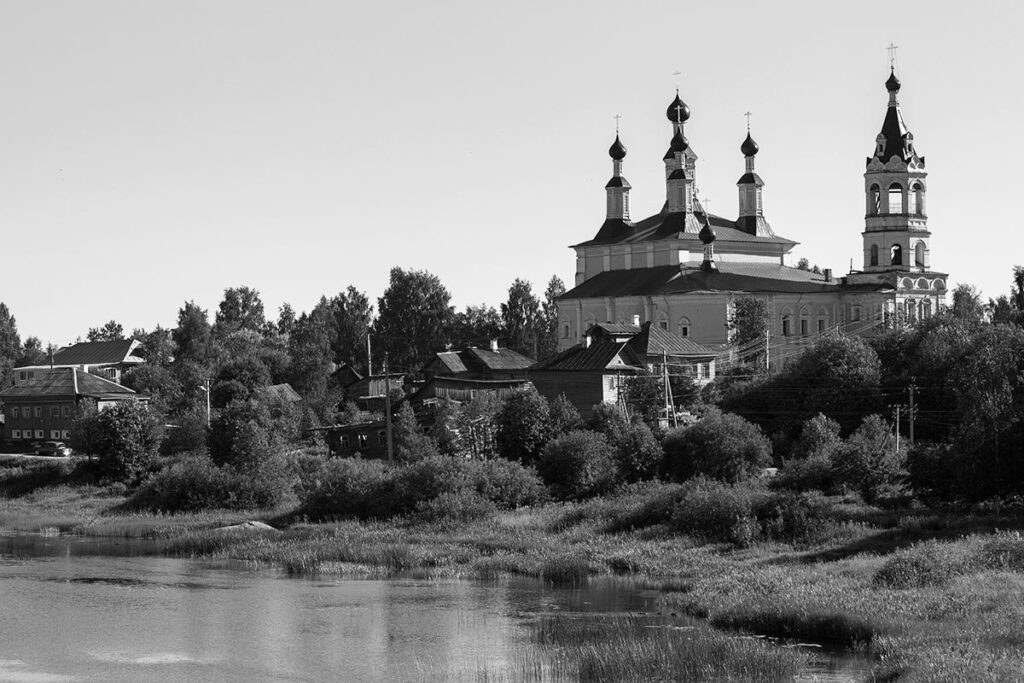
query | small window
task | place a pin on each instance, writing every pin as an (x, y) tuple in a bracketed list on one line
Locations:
[(919, 254), (611, 382), (663, 324), (54, 433), (382, 438), (854, 313), (343, 442), (15, 411), (362, 440), (821, 325), (896, 255), (895, 199), (40, 434), (805, 327), (38, 411), (786, 329), (15, 433), (565, 330), (55, 412), (874, 255), (111, 373), (65, 434), (65, 411)]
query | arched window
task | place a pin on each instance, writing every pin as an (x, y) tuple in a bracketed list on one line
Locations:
[(916, 199), (939, 284), (684, 327), (922, 283), (589, 323), (896, 255), (874, 255), (662, 320), (919, 254), (895, 198), (805, 322), (822, 320), (787, 323), (910, 307), (926, 308), (906, 283), (874, 200)]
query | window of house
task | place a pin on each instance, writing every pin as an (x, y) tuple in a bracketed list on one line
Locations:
[(382, 438), (65, 411), (611, 382), (54, 412), (919, 254), (565, 330), (38, 412), (343, 442), (15, 433), (111, 373), (361, 440), (896, 255), (684, 327), (821, 325), (663, 324), (40, 434), (805, 327), (874, 255), (854, 313), (15, 411), (472, 394), (65, 434), (54, 433), (786, 329)]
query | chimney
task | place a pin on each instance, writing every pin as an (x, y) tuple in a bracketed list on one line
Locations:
[(636, 321), (587, 340), (494, 345), (828, 275)]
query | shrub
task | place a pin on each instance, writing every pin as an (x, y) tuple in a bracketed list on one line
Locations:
[(607, 418), (348, 487), (564, 417), (125, 437), (409, 441), (197, 484), (189, 434), (423, 480), (819, 436), (578, 464), (931, 563), (932, 470), (638, 453), (815, 472), (796, 518), (721, 446), (522, 425), (715, 510), (645, 504), (869, 462), (1002, 551), (242, 435), (455, 507), (508, 484)]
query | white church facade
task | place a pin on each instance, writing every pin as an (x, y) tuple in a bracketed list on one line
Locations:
[(683, 268)]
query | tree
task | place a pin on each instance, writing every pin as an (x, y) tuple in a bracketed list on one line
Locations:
[(749, 320), (10, 344), (476, 326), (125, 437), (721, 446), (564, 417), (819, 436), (240, 309), (578, 464), (803, 263), (285, 319), (638, 455), (111, 331), (967, 304), (245, 435), (408, 440), (522, 425), (192, 335), (352, 316), (414, 318), (32, 352), (1001, 311), (157, 347), (521, 318), (547, 345), (869, 461)]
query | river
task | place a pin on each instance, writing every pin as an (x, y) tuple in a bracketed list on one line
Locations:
[(76, 609)]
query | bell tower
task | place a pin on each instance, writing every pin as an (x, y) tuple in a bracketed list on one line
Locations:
[(896, 220)]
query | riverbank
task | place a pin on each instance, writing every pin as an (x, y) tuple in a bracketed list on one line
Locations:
[(926, 594)]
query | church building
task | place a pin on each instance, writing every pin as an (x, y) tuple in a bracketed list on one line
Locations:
[(683, 268)]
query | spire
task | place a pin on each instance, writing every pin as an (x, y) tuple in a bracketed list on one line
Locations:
[(618, 187), (751, 218), (894, 140)]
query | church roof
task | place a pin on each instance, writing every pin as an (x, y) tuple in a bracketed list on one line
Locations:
[(665, 225), (732, 276)]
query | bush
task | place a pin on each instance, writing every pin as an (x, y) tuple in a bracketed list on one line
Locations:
[(932, 470), (607, 418), (454, 508), (638, 453), (564, 417), (125, 437), (1002, 551), (715, 510), (721, 446), (197, 484), (189, 434), (348, 487), (578, 464), (930, 563), (644, 505), (522, 425), (818, 437), (508, 484), (815, 472), (869, 462), (242, 435), (409, 441)]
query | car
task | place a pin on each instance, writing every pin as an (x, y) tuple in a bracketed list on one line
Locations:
[(54, 448)]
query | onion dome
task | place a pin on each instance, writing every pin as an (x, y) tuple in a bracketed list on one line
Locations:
[(893, 83), (749, 147), (679, 143), (678, 112), (617, 151), (707, 234)]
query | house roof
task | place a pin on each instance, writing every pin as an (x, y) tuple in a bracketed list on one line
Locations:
[(665, 225), (281, 392), (501, 359), (98, 353), (451, 361), (654, 341), (602, 354), (731, 276), (68, 382)]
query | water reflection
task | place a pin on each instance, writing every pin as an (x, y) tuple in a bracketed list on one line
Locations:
[(94, 609)]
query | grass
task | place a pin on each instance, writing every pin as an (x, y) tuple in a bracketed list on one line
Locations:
[(929, 594)]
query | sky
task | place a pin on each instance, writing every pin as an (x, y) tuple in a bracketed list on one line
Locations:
[(157, 152)]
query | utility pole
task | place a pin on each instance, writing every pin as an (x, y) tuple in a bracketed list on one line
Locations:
[(912, 413), (387, 407), (896, 412), (369, 357), (206, 388), (767, 349)]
